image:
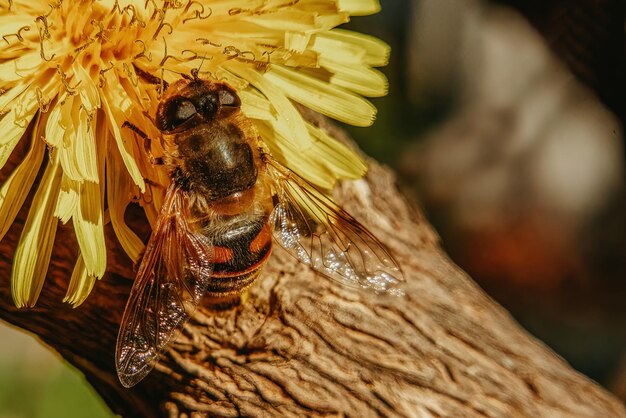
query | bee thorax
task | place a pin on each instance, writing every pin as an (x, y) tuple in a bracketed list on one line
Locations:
[(217, 161)]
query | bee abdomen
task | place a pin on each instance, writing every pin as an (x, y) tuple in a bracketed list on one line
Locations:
[(238, 256)]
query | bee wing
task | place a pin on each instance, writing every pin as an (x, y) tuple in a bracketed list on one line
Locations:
[(324, 236), (172, 278)]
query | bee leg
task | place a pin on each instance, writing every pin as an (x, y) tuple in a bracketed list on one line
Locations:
[(146, 197), (147, 143), (153, 183)]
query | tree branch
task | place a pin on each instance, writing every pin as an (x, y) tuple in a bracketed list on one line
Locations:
[(303, 346)]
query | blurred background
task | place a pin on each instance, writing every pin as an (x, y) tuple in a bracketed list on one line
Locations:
[(504, 121)]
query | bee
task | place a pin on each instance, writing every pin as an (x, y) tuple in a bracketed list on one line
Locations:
[(227, 203)]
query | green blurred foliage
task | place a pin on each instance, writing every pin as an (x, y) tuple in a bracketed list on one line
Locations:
[(37, 383)]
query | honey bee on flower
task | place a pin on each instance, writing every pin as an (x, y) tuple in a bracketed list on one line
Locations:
[(80, 73)]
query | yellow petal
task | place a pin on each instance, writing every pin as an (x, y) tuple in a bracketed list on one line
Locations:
[(352, 47), (342, 161), (321, 164), (7, 98), (89, 220), (55, 131), (14, 123), (67, 201), (87, 89), (357, 78), (359, 7), (80, 285), (285, 110), (86, 152), (12, 22), (32, 255), (88, 224), (15, 189), (16, 68), (322, 97), (68, 153), (119, 193), (113, 103), (305, 167), (77, 147), (12, 130), (255, 106), (327, 22), (284, 20)]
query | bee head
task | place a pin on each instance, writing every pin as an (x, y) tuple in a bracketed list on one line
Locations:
[(188, 103)]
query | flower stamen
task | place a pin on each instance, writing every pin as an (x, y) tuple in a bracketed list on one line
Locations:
[(18, 34), (161, 26), (103, 71), (71, 90), (44, 104), (205, 41), (198, 13), (142, 54)]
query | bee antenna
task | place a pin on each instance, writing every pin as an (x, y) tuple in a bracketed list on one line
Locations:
[(178, 73), (196, 71)]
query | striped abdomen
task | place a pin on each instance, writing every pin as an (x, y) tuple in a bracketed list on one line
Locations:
[(239, 253)]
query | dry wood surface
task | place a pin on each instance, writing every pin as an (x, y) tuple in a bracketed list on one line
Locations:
[(303, 346)]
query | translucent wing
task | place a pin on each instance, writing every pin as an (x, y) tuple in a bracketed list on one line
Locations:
[(322, 235), (172, 278)]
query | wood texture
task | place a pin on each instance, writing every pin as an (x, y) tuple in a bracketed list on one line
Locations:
[(302, 346)]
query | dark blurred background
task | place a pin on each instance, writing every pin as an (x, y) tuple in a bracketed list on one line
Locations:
[(504, 121)]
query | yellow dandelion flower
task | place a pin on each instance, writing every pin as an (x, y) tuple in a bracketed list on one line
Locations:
[(71, 71)]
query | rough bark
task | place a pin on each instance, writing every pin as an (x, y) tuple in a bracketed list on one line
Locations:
[(302, 346)]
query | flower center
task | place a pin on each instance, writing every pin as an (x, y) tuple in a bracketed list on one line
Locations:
[(95, 36)]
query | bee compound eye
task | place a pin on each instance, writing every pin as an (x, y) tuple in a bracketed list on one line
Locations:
[(176, 111), (228, 97)]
